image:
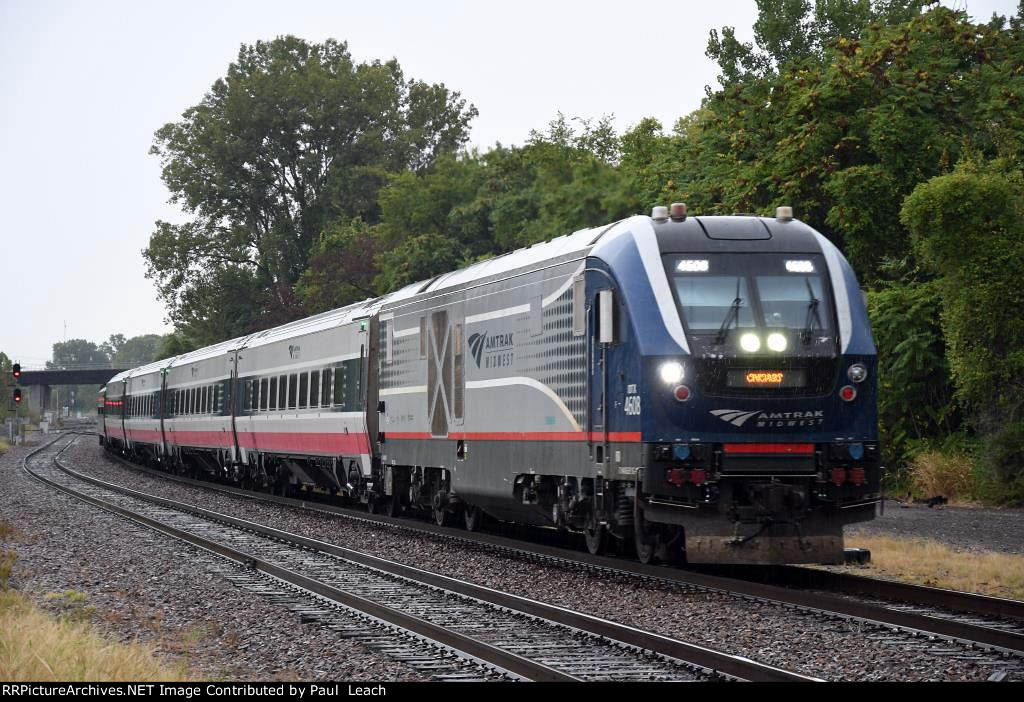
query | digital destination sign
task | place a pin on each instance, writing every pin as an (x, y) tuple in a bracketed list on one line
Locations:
[(760, 378)]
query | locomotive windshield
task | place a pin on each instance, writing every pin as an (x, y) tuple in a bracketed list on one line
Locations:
[(722, 295)]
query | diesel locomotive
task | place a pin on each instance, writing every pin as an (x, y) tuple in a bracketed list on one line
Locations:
[(689, 386)]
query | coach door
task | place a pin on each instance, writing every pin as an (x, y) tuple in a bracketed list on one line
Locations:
[(440, 373), (602, 335)]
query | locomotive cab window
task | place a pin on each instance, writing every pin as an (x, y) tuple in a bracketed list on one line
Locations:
[(755, 303)]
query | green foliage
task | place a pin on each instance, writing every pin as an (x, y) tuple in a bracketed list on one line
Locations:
[(968, 226), (295, 137), (475, 206), (341, 267), (840, 123), (914, 387), (1003, 460)]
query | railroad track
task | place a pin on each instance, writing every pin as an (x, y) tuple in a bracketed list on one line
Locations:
[(949, 623), (489, 630)]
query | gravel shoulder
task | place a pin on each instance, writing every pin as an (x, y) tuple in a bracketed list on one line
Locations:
[(140, 585), (818, 646), (967, 528)]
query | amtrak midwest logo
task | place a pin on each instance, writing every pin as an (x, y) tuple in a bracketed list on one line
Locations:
[(492, 350), (771, 420)]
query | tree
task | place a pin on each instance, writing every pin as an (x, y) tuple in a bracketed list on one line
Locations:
[(76, 353), (845, 136), (295, 137), (137, 351), (476, 206), (968, 227), (790, 32)]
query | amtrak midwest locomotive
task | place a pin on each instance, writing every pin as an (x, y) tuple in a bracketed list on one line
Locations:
[(695, 386)]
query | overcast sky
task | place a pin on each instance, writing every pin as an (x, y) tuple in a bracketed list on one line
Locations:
[(84, 85)]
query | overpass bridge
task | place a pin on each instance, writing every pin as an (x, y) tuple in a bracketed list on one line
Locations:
[(39, 384)]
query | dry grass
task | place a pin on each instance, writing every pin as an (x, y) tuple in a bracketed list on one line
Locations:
[(928, 562), (35, 646), (950, 475), (4, 447)]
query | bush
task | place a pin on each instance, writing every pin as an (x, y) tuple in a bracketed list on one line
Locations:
[(1003, 465), (949, 474)]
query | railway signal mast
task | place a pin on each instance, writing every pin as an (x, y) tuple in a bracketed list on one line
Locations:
[(16, 372)]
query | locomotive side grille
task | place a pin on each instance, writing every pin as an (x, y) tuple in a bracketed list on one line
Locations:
[(817, 376)]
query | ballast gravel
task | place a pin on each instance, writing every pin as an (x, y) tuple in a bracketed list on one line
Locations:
[(822, 646), (136, 584)]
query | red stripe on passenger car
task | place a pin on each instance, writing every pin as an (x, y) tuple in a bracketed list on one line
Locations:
[(802, 449), (618, 436)]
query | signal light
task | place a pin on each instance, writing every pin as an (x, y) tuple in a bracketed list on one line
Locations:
[(848, 393), (16, 370), (17, 396)]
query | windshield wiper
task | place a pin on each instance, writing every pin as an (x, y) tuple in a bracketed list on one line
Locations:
[(813, 319), (732, 317)]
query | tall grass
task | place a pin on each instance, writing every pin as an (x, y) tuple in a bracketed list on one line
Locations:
[(950, 474), (38, 647), (928, 562)]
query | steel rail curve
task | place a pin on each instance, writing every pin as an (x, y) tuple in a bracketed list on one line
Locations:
[(709, 660), (965, 632)]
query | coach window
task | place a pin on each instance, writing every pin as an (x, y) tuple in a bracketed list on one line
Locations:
[(303, 390), (254, 400), (264, 393), (340, 374), (272, 397), (282, 392), (293, 381), (216, 399), (191, 400), (314, 389), (325, 389), (247, 396)]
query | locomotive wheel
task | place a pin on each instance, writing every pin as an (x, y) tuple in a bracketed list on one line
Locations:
[(644, 538), (473, 517), (595, 537), (440, 516)]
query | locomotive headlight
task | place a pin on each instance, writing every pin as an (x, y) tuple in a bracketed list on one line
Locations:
[(750, 343), (671, 372), (777, 342), (858, 372)]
